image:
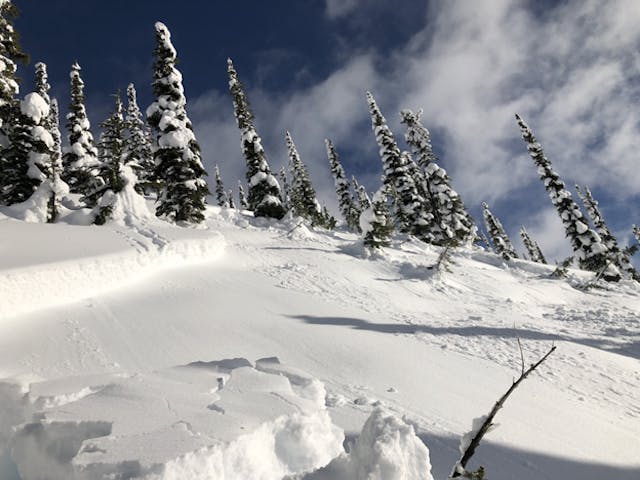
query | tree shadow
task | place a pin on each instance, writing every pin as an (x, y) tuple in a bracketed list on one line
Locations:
[(631, 349)]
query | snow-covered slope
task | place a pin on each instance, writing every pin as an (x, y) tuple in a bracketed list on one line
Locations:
[(251, 349)]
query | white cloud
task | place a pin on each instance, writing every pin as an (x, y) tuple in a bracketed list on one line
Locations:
[(340, 8), (573, 72)]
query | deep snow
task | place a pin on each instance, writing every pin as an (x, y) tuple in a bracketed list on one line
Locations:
[(255, 349)]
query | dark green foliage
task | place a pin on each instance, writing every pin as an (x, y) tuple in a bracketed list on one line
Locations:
[(532, 247), (376, 221), (587, 245), (499, 238), (138, 153), (112, 151), (241, 197), (362, 196), (221, 195), (10, 53), (178, 167), (348, 208), (80, 158), (264, 191), (614, 253), (452, 223), (302, 194), (409, 208)]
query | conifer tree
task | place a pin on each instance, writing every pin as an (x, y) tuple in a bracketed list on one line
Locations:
[(264, 191), (178, 167), (112, 154), (10, 53), (350, 213), (636, 233), (232, 204), (303, 196), (376, 222), (499, 238), (57, 186), (221, 195), (28, 154), (362, 196), (586, 243), (138, 151), (241, 197), (454, 224), (80, 158), (614, 253), (532, 247), (409, 209)]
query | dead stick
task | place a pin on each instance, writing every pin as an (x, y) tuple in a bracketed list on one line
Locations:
[(484, 428)]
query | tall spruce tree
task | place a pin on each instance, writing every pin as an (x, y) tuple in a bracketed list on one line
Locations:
[(616, 255), (587, 245), (10, 53), (58, 188), (303, 196), (453, 222), (79, 159), (232, 204), (242, 199), (409, 207), (178, 167), (532, 247), (264, 191), (221, 194), (138, 151), (348, 209), (112, 154), (28, 153), (636, 232), (499, 238)]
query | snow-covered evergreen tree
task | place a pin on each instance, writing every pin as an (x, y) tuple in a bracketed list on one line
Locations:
[(375, 221), (362, 196), (138, 151), (221, 194), (80, 159), (499, 238), (28, 154), (614, 253), (58, 188), (409, 207), (532, 247), (242, 199), (303, 196), (454, 224), (178, 167), (636, 233), (10, 53), (112, 154), (232, 204), (586, 243), (348, 209), (264, 191)]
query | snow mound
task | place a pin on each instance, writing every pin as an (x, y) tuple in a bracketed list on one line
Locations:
[(387, 449), (132, 253), (160, 426)]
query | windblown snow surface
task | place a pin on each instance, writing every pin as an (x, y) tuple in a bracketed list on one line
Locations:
[(255, 349)]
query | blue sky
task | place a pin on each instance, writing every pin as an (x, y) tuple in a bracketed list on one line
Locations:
[(571, 68)]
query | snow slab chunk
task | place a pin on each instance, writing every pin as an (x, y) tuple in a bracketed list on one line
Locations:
[(158, 425)]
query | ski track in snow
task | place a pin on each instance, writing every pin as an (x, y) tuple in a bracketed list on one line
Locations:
[(475, 311)]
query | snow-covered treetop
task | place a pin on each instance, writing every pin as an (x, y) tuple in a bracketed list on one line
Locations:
[(35, 107), (164, 38), (42, 81)]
